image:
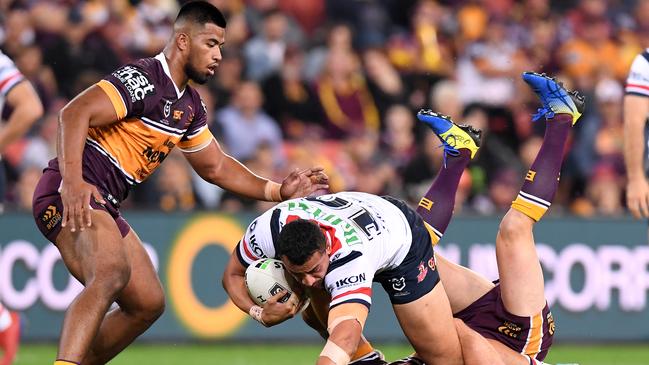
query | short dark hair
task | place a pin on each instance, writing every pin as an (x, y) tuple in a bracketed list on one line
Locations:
[(201, 12), (299, 239)]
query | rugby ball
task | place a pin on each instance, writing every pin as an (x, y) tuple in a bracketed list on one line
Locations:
[(265, 278)]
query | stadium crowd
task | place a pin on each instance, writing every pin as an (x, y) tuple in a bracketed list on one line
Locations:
[(338, 82)]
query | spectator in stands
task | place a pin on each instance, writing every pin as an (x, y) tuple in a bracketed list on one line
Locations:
[(345, 97), (290, 100), (244, 125)]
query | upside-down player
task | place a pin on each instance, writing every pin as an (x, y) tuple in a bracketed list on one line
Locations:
[(512, 315), (113, 136)]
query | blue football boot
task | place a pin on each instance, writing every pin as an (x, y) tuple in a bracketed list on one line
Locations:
[(453, 136), (554, 97)]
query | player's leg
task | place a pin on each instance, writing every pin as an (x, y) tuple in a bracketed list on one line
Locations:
[(97, 257), (9, 335), (477, 349), (521, 277), (461, 143), (428, 324), (141, 303), (316, 316)]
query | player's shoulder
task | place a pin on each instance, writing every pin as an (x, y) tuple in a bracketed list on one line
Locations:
[(5, 61), (196, 99)]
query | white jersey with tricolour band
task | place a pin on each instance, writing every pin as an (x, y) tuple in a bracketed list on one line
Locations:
[(637, 83), (366, 233), (9, 77)]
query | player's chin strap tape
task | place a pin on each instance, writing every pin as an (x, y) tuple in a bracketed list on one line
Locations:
[(336, 321), (335, 353), (255, 313)]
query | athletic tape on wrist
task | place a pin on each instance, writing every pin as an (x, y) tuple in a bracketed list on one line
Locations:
[(335, 353), (272, 191), (255, 312)]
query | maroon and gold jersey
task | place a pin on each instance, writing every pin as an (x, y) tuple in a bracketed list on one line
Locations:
[(154, 117)]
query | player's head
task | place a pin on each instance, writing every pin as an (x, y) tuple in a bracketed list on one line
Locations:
[(303, 248), (199, 33)]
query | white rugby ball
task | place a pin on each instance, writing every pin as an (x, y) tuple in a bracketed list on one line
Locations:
[(265, 278)]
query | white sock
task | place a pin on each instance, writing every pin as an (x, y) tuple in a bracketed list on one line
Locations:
[(5, 318)]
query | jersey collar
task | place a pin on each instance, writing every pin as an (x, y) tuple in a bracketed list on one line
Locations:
[(165, 67)]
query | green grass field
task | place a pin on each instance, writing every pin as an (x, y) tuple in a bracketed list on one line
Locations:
[(238, 354)]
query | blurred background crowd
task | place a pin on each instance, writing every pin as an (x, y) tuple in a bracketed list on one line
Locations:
[(337, 83)]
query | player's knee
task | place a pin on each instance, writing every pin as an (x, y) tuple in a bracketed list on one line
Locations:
[(112, 280), (513, 224), (153, 308)]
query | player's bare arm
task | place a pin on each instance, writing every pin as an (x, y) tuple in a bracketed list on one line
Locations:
[(91, 108), (636, 108), (345, 326), (219, 168), (273, 312), (27, 108)]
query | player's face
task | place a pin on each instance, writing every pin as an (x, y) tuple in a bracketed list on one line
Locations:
[(312, 272), (205, 52)]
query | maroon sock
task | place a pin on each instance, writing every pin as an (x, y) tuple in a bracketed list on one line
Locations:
[(542, 179), (436, 207)]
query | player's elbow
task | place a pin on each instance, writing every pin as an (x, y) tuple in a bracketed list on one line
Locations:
[(347, 336), (32, 111)]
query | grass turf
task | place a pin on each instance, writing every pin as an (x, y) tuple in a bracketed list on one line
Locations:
[(258, 354)]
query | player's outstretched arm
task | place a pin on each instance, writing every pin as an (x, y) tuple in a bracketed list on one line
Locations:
[(27, 108), (345, 326), (636, 108), (91, 108), (219, 168)]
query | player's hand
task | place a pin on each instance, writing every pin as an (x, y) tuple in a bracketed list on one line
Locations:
[(300, 183), (637, 197), (276, 312), (76, 196)]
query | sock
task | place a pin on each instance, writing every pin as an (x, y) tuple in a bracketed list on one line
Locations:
[(65, 362), (363, 349), (436, 207), (542, 179), (5, 318), (10, 339)]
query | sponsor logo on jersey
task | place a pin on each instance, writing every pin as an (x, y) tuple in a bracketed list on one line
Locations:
[(178, 114), (510, 329), (350, 233), (551, 325), (157, 156), (254, 246), (431, 263), (423, 271), (398, 284), (136, 83), (51, 216), (350, 280)]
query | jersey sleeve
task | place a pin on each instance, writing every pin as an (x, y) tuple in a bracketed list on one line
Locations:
[(198, 136), (349, 280), (637, 83), (9, 75), (130, 88), (257, 241)]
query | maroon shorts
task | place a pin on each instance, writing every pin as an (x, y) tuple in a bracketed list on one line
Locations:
[(47, 206), (531, 336)]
